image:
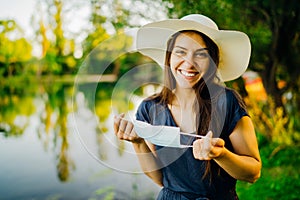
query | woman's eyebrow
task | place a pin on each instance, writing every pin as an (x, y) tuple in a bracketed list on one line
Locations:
[(180, 47), (201, 49)]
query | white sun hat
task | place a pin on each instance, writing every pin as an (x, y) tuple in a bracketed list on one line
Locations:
[(234, 46)]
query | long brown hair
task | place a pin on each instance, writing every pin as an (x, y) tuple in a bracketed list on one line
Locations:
[(206, 89)]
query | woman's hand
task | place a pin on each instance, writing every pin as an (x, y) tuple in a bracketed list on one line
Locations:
[(208, 148), (124, 129)]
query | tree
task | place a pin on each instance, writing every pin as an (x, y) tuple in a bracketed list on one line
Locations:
[(57, 51), (281, 20), (15, 50)]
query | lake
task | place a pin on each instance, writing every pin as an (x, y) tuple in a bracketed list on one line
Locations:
[(57, 142)]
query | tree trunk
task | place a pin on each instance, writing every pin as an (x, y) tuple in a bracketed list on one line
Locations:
[(269, 73), (270, 83)]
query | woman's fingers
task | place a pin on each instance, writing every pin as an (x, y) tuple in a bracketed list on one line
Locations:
[(200, 150), (197, 149), (124, 129), (116, 124), (117, 120), (207, 144), (122, 126), (218, 142), (129, 131), (208, 148)]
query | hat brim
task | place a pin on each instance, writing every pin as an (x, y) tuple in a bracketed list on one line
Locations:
[(234, 46)]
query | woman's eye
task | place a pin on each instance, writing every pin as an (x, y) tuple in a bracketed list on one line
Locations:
[(201, 55), (180, 52)]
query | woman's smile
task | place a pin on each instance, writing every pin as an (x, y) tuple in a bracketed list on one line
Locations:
[(188, 74)]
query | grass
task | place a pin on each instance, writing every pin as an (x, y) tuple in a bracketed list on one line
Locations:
[(280, 177)]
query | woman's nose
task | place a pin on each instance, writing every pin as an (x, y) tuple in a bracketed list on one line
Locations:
[(188, 61)]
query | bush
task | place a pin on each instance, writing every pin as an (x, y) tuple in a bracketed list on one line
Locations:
[(280, 176), (279, 149)]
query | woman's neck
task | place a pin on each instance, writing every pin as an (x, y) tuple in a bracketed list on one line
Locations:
[(184, 97)]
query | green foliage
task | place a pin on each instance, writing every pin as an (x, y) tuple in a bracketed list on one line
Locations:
[(272, 124), (57, 56), (15, 103), (106, 193), (279, 149), (280, 177), (15, 51)]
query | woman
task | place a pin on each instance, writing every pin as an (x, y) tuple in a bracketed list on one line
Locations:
[(198, 57)]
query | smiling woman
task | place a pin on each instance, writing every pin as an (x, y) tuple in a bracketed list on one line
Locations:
[(196, 56)]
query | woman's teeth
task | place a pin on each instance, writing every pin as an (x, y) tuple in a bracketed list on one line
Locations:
[(189, 74)]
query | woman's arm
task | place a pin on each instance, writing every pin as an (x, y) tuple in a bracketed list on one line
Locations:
[(145, 152), (242, 164), (148, 161)]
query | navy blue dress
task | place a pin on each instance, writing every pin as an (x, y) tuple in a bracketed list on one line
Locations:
[(183, 175)]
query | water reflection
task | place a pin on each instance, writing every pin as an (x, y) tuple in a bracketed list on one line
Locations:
[(42, 156), (53, 125), (15, 105)]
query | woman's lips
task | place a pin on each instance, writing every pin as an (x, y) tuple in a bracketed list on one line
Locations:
[(188, 74)]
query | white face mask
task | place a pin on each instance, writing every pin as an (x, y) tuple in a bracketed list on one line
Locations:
[(168, 136)]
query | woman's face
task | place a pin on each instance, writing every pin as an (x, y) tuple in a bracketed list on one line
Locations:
[(189, 59)]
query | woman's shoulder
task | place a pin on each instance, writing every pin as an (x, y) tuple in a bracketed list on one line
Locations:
[(149, 102), (231, 108), (149, 108), (232, 93), (229, 99), (226, 93), (232, 96)]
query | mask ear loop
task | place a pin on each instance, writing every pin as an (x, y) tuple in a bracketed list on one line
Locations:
[(190, 135)]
